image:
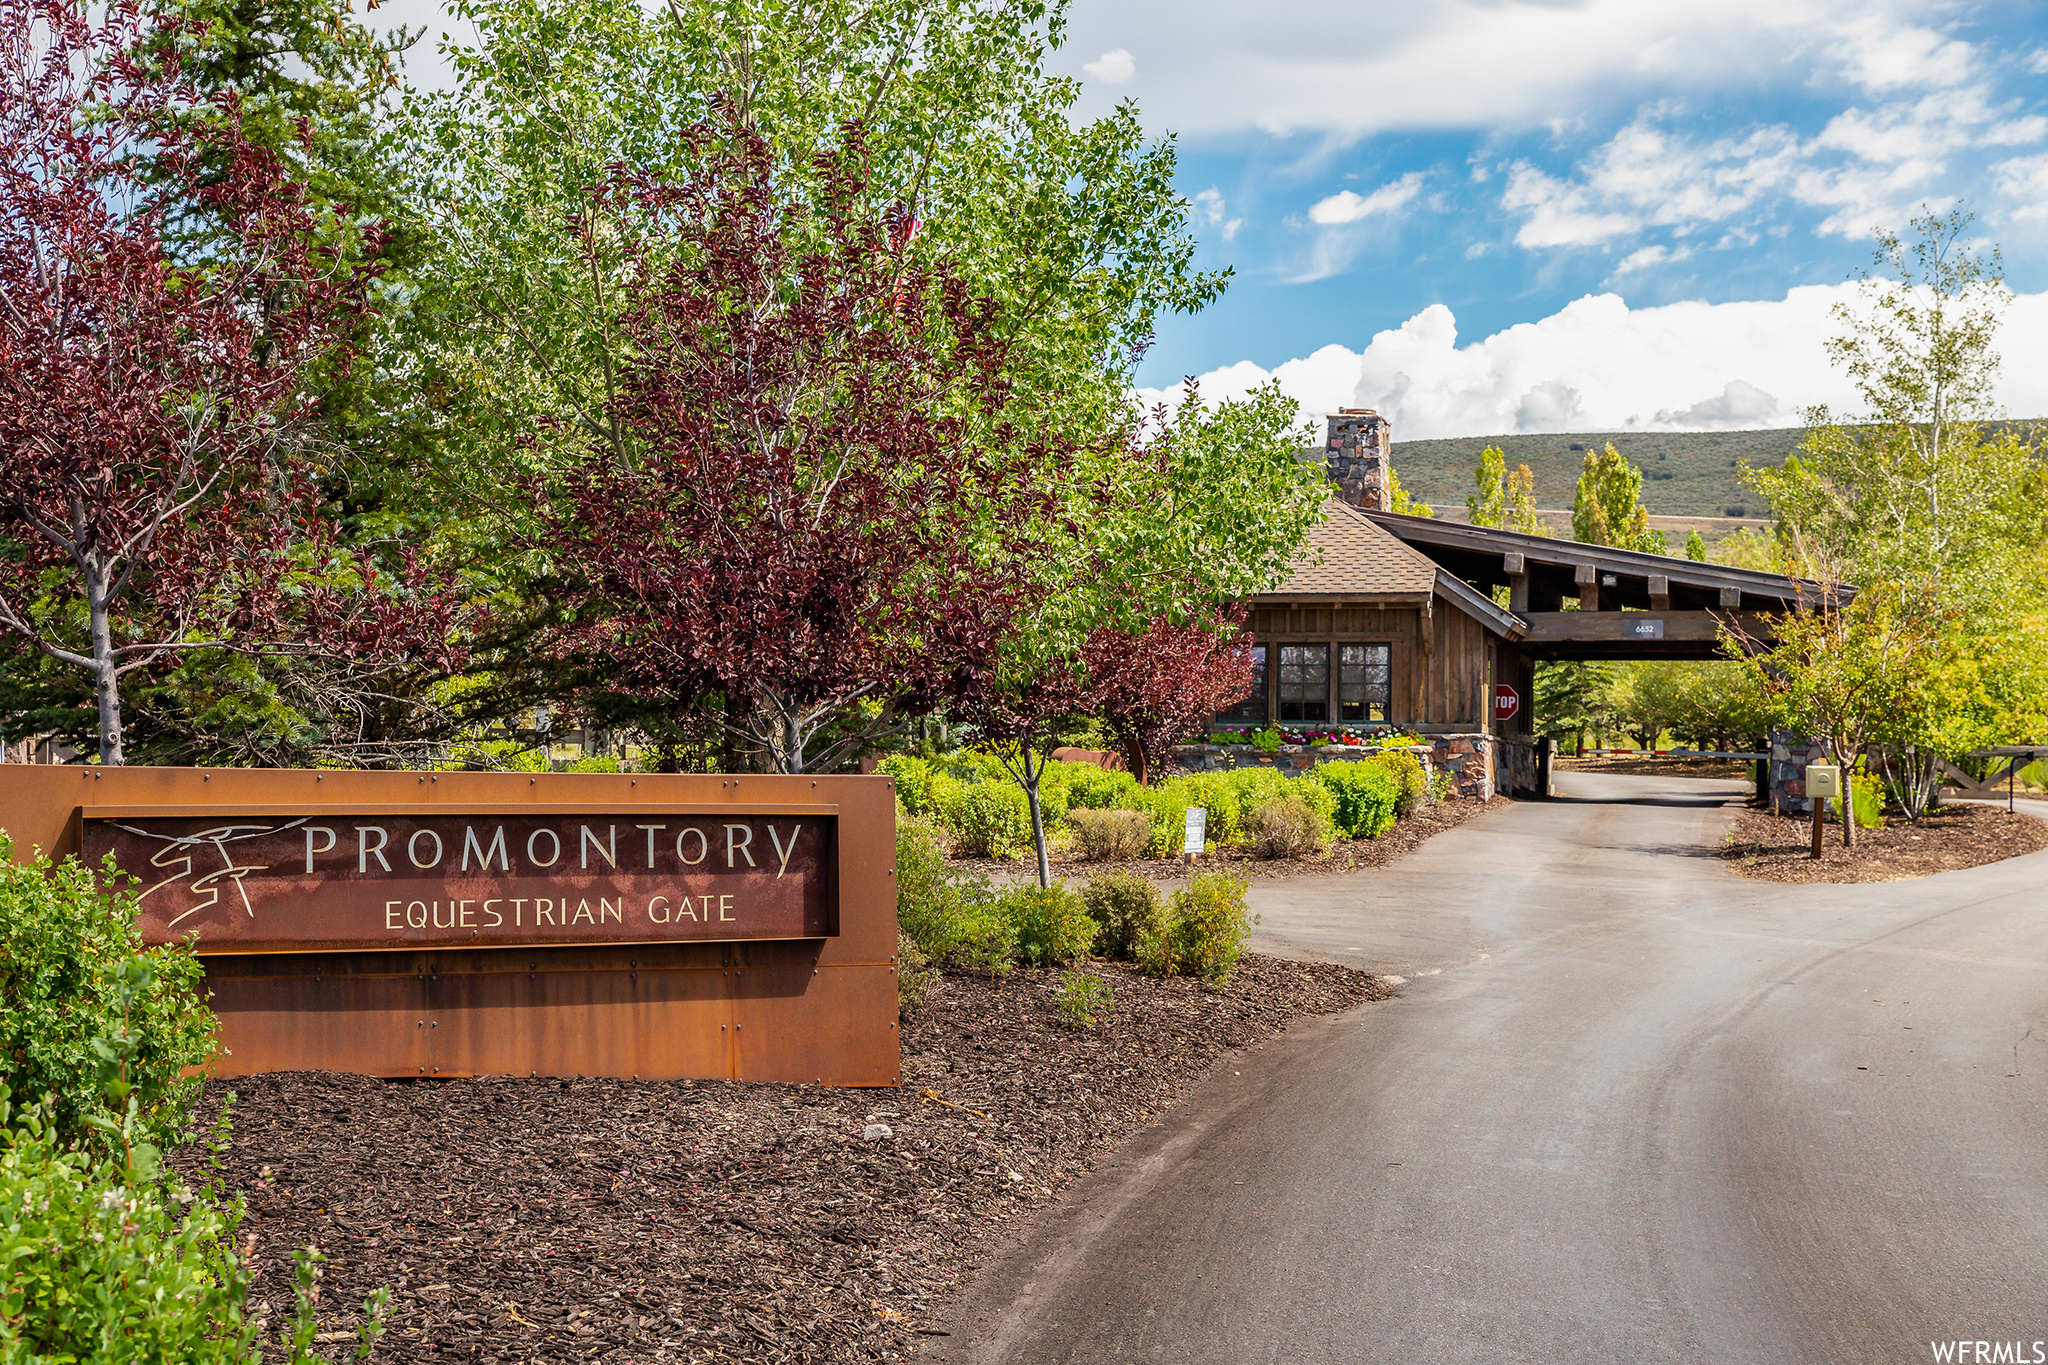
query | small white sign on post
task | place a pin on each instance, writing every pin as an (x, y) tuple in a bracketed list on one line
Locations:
[(1198, 824)]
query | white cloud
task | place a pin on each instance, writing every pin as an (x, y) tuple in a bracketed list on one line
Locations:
[(1599, 365), (1347, 207), (1113, 67), (1880, 57), (2037, 62), (1740, 404), (1867, 167), (1560, 214), (1216, 66), (2024, 180), (1208, 209), (1645, 257)]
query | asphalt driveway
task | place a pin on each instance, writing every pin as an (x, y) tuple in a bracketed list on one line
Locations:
[(1627, 1107)]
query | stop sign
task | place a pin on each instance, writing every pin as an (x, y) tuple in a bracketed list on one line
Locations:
[(1506, 701)]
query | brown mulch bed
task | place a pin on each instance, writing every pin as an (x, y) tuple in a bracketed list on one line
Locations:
[(1346, 855), (1658, 767), (543, 1220), (1779, 848)]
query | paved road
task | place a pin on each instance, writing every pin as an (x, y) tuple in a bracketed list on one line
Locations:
[(1645, 1110)]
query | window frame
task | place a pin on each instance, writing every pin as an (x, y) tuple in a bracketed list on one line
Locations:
[(1304, 698)]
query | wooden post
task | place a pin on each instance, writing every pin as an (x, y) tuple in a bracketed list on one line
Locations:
[(1588, 579), (1517, 571), (1660, 592), (1820, 810)]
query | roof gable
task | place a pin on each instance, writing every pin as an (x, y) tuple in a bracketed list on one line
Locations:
[(1358, 559)]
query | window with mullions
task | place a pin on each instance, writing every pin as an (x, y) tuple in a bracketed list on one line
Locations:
[(1304, 682), (1365, 683), (1252, 710)]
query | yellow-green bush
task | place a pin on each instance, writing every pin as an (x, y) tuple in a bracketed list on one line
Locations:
[(1365, 795), (1052, 923), (989, 819), (1207, 929)]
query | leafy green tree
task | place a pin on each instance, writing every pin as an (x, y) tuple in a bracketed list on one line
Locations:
[(1695, 546), (1935, 511), (1211, 507), (1609, 507), (1488, 507)]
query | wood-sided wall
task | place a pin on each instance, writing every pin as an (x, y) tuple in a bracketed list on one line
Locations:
[(1444, 664)]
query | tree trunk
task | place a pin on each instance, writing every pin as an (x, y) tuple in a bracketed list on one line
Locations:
[(1031, 777), (106, 682), (792, 745)]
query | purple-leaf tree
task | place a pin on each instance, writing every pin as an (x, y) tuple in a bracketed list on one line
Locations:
[(806, 501), (152, 498), (1155, 687)]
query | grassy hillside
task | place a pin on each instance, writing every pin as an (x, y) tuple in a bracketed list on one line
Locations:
[(1685, 473)]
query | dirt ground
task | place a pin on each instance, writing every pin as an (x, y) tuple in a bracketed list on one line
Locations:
[(1346, 855), (599, 1220), (1779, 848)]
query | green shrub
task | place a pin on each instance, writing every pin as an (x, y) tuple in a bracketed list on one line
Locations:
[(1127, 912), (1867, 793), (106, 1261), (1208, 928), (1103, 835), (915, 975), (986, 941), (913, 777), (1267, 740), (1052, 922), (927, 905), (604, 764), (1082, 998), (1283, 827), (988, 819), (1409, 776), (1365, 794), (1085, 785), (84, 1005)]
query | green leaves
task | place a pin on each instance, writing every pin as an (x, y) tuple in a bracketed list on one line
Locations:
[(92, 1023), (1608, 509)]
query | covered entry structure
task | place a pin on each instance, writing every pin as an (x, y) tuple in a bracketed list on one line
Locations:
[(1393, 620)]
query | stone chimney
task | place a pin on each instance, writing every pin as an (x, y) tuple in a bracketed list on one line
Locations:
[(1360, 456)]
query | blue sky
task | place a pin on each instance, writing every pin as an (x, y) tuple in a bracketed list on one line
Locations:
[(1486, 216), (1577, 189)]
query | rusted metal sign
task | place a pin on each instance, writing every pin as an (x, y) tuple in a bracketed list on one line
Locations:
[(356, 878)]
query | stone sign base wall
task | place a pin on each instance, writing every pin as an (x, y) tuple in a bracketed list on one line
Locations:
[(1790, 756), (1470, 759)]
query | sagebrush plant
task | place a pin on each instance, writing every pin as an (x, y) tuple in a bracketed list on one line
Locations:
[(1128, 912), (1083, 998), (1283, 827), (77, 984), (1109, 835), (1052, 923), (1207, 929)]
